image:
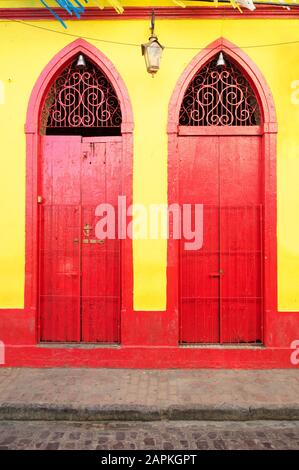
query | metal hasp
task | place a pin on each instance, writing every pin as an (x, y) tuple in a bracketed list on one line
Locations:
[(87, 229)]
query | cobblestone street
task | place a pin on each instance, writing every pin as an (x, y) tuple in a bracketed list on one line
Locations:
[(163, 435)]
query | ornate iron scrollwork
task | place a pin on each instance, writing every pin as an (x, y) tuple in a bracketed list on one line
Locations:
[(81, 98), (219, 96)]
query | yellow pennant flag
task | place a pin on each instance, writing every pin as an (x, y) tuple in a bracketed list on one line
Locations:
[(179, 3), (114, 3)]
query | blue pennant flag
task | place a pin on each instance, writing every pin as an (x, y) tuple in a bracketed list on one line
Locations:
[(71, 7)]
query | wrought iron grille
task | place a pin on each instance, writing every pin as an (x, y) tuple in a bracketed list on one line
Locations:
[(219, 97), (81, 99)]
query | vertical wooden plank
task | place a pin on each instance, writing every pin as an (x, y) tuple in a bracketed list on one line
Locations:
[(199, 289)]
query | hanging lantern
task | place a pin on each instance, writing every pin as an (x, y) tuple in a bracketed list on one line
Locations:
[(152, 50), (81, 64)]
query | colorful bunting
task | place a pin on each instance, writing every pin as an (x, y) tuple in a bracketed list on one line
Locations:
[(77, 7)]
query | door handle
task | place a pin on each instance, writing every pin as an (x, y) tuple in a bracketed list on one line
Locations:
[(217, 274), (69, 273)]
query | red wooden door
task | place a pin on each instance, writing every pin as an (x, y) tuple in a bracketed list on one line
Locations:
[(221, 284), (79, 275)]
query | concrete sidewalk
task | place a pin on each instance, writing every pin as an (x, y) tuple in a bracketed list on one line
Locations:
[(148, 395)]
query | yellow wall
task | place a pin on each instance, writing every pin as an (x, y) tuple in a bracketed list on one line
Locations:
[(25, 50)]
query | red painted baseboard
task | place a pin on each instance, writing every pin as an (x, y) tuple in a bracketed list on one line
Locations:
[(149, 358), (18, 333), (17, 326)]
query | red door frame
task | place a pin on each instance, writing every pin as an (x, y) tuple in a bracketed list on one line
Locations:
[(268, 132), (38, 95)]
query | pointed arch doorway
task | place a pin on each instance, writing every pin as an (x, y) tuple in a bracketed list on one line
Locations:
[(222, 130), (79, 124)]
